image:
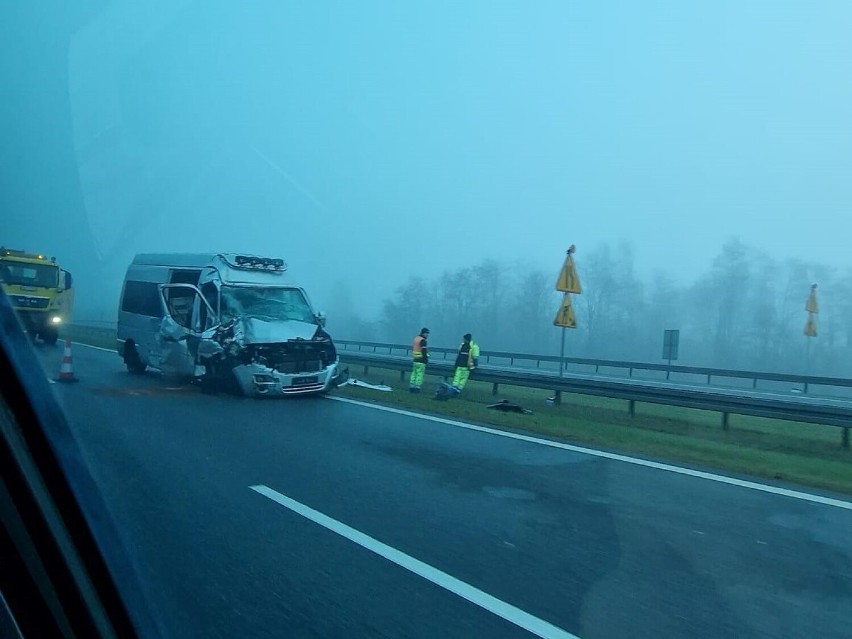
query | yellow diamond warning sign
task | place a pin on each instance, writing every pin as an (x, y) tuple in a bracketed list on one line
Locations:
[(569, 281), (565, 317), (812, 306), (811, 327)]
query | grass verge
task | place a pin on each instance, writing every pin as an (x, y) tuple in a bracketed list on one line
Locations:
[(804, 454)]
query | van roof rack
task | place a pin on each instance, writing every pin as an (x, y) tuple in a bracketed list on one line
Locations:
[(254, 262)]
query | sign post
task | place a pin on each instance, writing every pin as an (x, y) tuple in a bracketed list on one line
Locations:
[(671, 340), (812, 307), (568, 282)]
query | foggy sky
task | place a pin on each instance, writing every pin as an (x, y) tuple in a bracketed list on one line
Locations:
[(364, 142)]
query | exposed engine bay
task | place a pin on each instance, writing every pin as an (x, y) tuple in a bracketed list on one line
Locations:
[(234, 358)]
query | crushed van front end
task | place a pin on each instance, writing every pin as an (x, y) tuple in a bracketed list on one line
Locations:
[(233, 359)]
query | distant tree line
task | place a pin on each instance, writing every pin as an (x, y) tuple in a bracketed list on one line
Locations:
[(745, 311)]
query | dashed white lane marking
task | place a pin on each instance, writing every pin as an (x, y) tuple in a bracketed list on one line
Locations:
[(507, 611), (722, 479)]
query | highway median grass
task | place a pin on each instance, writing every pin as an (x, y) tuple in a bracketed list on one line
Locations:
[(804, 454)]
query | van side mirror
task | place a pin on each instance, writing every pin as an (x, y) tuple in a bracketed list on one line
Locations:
[(66, 276), (321, 319)]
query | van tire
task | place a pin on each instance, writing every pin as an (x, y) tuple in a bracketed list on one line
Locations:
[(131, 359), (49, 336)]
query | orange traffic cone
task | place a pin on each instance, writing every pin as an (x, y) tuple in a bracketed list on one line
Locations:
[(66, 369)]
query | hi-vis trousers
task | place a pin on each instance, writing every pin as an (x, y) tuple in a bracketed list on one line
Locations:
[(460, 377), (418, 371)]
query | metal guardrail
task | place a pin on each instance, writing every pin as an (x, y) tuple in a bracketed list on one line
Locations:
[(709, 373), (726, 402)]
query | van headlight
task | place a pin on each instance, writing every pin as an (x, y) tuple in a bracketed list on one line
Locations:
[(56, 319)]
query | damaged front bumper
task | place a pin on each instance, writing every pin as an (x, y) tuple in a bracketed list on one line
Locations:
[(297, 366), (257, 380)]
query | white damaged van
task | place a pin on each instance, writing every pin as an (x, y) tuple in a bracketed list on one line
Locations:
[(232, 321)]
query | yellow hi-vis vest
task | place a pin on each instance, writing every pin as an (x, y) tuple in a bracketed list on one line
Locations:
[(473, 356), (417, 349)]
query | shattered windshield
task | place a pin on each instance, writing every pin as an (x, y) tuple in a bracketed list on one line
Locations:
[(267, 303), (28, 274)]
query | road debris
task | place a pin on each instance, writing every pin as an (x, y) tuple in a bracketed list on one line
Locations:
[(509, 407), (361, 384)]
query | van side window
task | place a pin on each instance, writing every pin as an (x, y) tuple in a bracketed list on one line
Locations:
[(179, 302), (211, 294), (141, 298), (185, 276)]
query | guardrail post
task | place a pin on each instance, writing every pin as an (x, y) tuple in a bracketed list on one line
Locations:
[(402, 375), (806, 388), (494, 388), (631, 407), (708, 379), (845, 437), (754, 383), (366, 370), (725, 421)]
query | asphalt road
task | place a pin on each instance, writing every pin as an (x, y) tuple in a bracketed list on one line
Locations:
[(413, 512)]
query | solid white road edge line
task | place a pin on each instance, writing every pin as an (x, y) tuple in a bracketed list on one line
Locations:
[(775, 490), (510, 613)]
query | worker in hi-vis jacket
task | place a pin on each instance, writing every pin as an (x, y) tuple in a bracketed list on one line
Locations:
[(420, 354), (466, 361)]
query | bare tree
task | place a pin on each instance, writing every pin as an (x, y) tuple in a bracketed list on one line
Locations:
[(612, 299), (408, 311), (490, 288), (531, 310), (664, 310)]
